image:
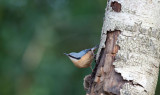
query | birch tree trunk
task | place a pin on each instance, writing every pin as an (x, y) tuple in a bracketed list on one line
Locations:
[(127, 61)]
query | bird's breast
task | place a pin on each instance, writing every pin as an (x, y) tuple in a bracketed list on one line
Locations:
[(85, 60)]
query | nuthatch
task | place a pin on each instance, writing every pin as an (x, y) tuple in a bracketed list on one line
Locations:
[(84, 58)]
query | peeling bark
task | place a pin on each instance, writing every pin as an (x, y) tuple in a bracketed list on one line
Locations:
[(127, 61)]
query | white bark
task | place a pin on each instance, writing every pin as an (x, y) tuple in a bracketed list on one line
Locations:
[(139, 55)]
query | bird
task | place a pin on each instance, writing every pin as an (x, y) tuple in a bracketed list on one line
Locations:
[(83, 59)]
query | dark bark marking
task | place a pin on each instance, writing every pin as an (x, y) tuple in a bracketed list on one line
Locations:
[(113, 80), (110, 81), (116, 6)]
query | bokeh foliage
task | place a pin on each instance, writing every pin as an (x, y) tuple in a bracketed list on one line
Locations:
[(34, 34)]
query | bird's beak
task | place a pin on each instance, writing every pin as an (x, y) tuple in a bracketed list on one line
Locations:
[(66, 54)]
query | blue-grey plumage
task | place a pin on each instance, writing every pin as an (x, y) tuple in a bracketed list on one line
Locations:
[(79, 54), (82, 59)]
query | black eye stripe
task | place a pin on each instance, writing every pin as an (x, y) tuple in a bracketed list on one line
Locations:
[(74, 57)]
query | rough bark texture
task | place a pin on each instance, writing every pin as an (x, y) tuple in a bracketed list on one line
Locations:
[(127, 61)]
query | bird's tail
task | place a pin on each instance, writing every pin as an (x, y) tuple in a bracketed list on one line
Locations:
[(94, 48)]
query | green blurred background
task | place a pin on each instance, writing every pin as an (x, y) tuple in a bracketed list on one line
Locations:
[(34, 34)]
